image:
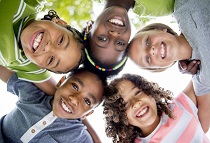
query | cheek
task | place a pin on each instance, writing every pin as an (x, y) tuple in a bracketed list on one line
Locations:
[(129, 116), (37, 60)]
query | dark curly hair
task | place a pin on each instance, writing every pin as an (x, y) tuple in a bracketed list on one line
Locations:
[(77, 35), (117, 125)]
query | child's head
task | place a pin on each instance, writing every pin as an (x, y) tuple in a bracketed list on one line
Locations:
[(52, 44), (154, 47), (109, 37), (133, 106), (78, 95)]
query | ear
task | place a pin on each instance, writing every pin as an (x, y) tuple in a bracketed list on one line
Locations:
[(59, 21), (89, 113), (60, 81)]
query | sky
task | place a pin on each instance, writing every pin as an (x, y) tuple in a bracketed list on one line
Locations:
[(170, 79)]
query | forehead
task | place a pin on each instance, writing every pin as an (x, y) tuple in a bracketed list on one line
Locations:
[(125, 87)]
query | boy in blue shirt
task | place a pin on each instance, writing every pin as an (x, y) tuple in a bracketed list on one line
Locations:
[(43, 118)]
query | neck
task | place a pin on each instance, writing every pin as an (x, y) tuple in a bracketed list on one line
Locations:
[(185, 51), (149, 129), (127, 4)]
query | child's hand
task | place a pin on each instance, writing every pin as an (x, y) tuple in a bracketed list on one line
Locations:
[(189, 66)]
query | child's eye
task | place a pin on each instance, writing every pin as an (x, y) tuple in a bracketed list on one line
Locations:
[(147, 42), (103, 39), (75, 86), (87, 101), (120, 43), (61, 40), (138, 93), (51, 60)]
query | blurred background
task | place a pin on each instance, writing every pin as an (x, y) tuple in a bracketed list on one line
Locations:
[(76, 13)]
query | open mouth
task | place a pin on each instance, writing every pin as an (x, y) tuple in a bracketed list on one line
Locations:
[(37, 41), (142, 112), (117, 21), (163, 50), (65, 107)]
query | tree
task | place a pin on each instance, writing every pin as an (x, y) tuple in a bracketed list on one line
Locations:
[(75, 12)]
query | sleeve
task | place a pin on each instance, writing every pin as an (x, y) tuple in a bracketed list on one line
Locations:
[(154, 7), (187, 103), (33, 73), (26, 91)]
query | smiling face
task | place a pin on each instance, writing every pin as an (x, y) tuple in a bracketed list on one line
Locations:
[(51, 46), (141, 108), (78, 96), (154, 49), (110, 35)]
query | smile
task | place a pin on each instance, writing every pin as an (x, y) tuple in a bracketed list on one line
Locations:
[(142, 112), (65, 108), (117, 21), (37, 41)]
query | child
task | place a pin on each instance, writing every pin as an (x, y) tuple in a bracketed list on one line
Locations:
[(136, 109), (51, 45), (110, 33), (42, 118)]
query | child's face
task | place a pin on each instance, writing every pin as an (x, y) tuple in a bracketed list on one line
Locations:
[(154, 49), (78, 96), (110, 35), (51, 46), (141, 108)]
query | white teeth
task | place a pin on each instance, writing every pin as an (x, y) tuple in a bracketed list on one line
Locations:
[(65, 107), (142, 112), (162, 51), (116, 21), (37, 41)]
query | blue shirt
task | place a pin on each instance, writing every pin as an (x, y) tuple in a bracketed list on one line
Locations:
[(33, 121)]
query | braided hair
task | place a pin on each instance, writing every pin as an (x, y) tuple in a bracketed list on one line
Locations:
[(77, 35)]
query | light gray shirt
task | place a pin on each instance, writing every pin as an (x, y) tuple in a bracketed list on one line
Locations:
[(193, 17)]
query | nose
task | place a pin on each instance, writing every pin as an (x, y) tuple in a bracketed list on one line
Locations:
[(114, 33), (136, 104), (49, 46), (74, 100), (152, 50)]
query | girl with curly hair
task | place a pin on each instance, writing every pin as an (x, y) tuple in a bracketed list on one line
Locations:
[(137, 110)]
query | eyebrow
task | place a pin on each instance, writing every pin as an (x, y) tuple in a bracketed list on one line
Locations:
[(89, 94), (105, 47)]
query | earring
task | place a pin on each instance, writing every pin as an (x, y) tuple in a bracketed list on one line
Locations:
[(83, 117)]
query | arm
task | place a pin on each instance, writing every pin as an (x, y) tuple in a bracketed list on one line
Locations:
[(189, 91), (49, 86), (5, 73), (202, 103), (204, 112), (92, 132)]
